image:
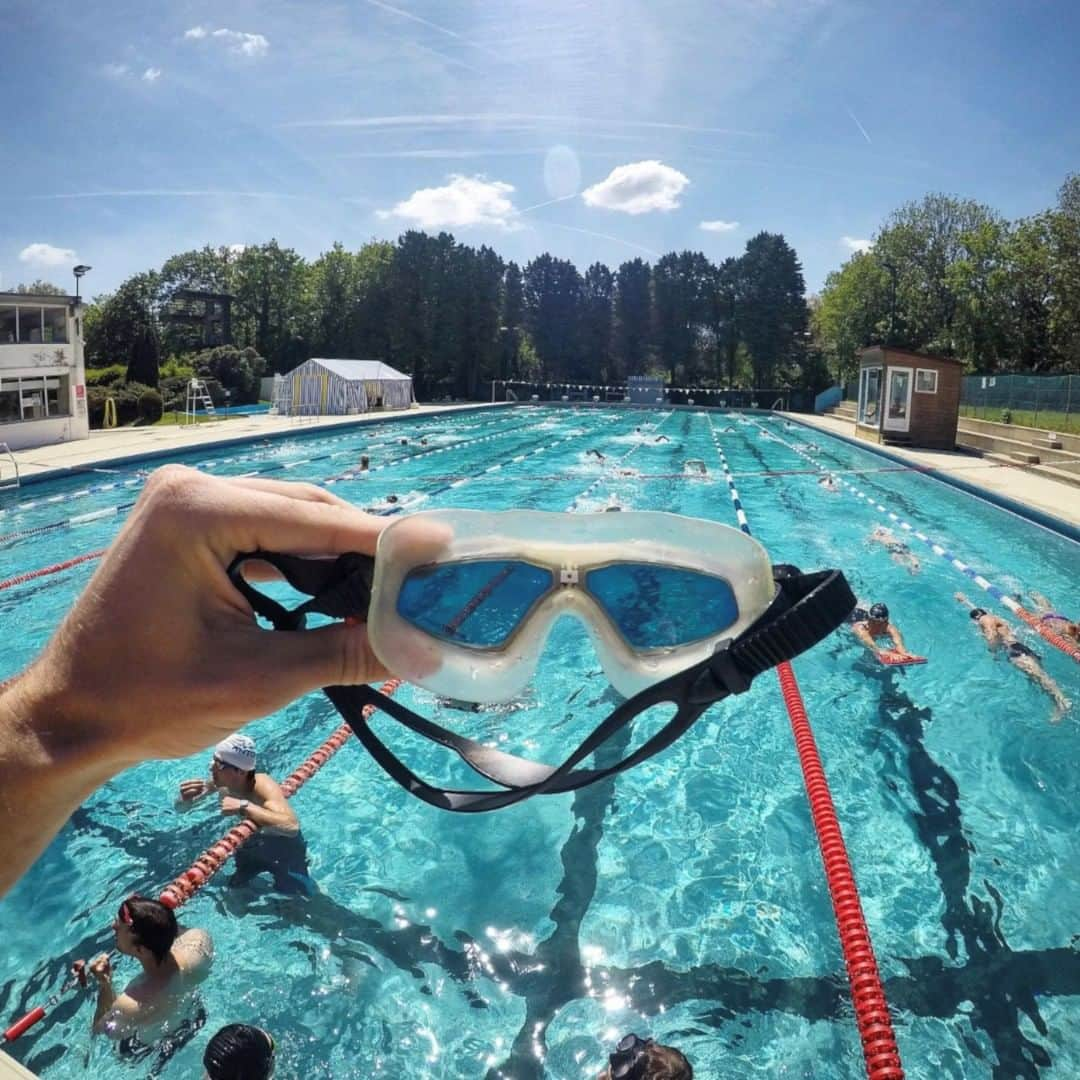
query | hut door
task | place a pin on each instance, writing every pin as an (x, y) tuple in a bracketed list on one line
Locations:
[(898, 399)]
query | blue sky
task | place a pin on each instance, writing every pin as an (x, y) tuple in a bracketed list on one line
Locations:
[(595, 130)]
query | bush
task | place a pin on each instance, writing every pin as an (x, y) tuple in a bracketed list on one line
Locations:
[(150, 407), (233, 369), (1006, 416), (176, 367), (106, 376)]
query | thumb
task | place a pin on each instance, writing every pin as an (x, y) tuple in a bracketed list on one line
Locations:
[(293, 664)]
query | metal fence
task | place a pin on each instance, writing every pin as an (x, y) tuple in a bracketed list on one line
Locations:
[(1049, 401), (795, 400)]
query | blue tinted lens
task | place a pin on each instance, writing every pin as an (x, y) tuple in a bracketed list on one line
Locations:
[(478, 603), (657, 607)]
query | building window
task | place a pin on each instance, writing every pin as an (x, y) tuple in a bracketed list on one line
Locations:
[(9, 326), (34, 397), (870, 396), (29, 325), (925, 381), (9, 401), (55, 325)]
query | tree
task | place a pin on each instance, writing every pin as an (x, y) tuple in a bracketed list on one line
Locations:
[(270, 284), (1063, 227), (724, 308), (853, 311), (598, 295), (40, 288), (774, 316), (682, 285), (513, 313), (921, 241), (126, 332), (633, 318), (552, 294)]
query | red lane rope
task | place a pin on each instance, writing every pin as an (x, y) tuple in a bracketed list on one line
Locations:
[(54, 569), (1070, 648), (871, 1008), (184, 886)]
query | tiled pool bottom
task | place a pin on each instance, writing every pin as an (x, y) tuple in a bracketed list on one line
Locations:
[(684, 900)]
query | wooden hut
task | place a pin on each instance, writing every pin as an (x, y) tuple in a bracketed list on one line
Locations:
[(908, 398)]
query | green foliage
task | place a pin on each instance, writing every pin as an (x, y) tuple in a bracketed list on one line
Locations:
[(149, 407), (40, 288), (233, 369), (125, 330), (106, 376)]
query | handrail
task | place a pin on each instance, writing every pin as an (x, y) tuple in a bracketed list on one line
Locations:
[(7, 450), (779, 401)]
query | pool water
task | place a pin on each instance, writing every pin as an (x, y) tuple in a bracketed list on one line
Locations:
[(685, 899)]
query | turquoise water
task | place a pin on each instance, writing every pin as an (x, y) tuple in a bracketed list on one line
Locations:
[(685, 899)]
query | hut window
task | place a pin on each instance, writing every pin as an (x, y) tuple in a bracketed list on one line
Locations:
[(925, 381)]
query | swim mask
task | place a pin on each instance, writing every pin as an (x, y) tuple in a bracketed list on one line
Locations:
[(680, 611)]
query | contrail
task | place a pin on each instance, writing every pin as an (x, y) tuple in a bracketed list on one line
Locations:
[(603, 236), (860, 127), (433, 26)]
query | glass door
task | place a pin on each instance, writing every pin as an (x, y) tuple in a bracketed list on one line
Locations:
[(869, 396), (898, 399)]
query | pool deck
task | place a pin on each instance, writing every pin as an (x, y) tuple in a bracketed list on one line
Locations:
[(12, 1070), (1041, 493), (131, 443)]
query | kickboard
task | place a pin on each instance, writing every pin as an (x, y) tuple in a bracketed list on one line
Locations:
[(892, 660)]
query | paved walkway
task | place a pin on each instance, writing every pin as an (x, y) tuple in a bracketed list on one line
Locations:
[(1040, 492), (132, 442)]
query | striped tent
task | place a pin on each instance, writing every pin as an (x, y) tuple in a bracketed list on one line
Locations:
[(338, 387)]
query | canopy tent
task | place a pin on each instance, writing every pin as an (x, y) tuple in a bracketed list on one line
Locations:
[(338, 387)]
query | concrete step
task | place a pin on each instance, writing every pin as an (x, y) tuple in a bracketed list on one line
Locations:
[(1068, 441), (1009, 443), (1064, 475)]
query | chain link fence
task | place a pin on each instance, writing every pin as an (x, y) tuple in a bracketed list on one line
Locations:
[(1046, 401)]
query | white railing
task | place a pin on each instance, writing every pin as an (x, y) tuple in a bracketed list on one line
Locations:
[(6, 485)]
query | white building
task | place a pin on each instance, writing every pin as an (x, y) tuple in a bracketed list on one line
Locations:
[(42, 377)]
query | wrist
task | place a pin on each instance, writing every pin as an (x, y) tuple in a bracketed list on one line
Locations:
[(36, 716)]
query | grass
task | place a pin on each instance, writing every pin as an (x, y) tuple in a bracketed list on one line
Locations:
[(174, 418), (1044, 418)]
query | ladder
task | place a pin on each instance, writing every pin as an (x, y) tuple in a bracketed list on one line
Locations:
[(9, 485), (198, 397)]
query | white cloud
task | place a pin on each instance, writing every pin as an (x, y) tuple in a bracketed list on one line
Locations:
[(462, 201), (853, 243), (115, 71), (638, 188), (243, 44), (151, 74), (46, 255), (719, 226), (239, 42)]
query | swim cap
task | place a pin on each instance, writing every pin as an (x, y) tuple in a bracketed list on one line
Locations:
[(237, 750), (978, 612), (879, 611)]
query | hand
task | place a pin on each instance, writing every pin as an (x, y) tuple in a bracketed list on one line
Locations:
[(101, 968), (196, 665), (193, 789), (78, 972), (230, 805)]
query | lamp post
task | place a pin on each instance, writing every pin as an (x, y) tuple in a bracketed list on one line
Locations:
[(78, 271)]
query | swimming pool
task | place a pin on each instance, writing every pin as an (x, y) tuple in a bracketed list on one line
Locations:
[(686, 898)]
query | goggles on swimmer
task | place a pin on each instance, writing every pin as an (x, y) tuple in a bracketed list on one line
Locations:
[(680, 611)]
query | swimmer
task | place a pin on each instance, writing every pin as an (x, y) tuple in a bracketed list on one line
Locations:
[(240, 1052), (392, 499), (635, 1058), (364, 462), (423, 442), (999, 634), (869, 626), (174, 960), (661, 438), (1060, 624), (595, 453), (828, 482), (729, 430), (613, 505), (404, 442), (901, 554), (278, 848)]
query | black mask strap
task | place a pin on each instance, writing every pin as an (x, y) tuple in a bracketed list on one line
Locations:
[(805, 610)]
